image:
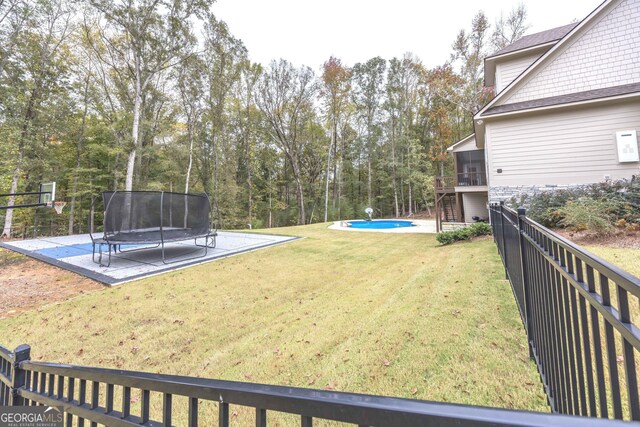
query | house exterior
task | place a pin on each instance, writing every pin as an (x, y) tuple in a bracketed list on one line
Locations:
[(566, 111), (462, 197)]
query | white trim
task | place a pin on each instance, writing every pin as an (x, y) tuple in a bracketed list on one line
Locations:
[(545, 57), (471, 189), (462, 141), (569, 104), (521, 51)]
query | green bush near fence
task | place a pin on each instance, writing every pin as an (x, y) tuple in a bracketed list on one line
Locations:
[(598, 208), (466, 233)]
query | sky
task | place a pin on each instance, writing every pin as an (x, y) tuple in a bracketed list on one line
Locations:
[(308, 32)]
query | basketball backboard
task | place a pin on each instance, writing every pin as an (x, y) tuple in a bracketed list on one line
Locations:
[(48, 190)]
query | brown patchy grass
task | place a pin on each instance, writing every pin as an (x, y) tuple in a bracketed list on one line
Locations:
[(371, 313)]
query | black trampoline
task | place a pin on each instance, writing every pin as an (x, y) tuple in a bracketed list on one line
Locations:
[(153, 218)]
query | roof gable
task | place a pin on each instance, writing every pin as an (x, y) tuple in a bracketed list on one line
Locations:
[(605, 54), (535, 39), (467, 143), (601, 51)]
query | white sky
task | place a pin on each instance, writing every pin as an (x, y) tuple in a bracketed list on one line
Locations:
[(307, 32)]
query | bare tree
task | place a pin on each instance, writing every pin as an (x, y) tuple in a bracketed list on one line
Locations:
[(508, 30), (469, 49), (148, 37), (336, 79), (367, 94), (191, 87), (285, 96)]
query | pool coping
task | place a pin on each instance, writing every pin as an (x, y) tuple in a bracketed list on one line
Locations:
[(422, 226)]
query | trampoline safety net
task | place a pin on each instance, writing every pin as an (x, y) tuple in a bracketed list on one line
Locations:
[(145, 216)]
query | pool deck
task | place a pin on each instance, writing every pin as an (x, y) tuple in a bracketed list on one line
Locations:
[(421, 226)]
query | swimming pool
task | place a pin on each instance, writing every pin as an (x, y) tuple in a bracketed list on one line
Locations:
[(378, 224)]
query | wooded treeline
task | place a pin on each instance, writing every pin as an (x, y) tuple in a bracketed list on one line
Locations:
[(158, 94)]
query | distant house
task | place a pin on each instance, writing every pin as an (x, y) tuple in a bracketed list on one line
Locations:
[(566, 113)]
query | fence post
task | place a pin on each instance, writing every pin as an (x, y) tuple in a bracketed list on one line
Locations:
[(19, 377), (504, 249), (494, 220), (522, 212)]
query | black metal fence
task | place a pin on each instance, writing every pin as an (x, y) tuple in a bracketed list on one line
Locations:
[(104, 396), (581, 315)]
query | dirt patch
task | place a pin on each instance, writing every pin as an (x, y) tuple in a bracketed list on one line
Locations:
[(27, 284), (617, 240)]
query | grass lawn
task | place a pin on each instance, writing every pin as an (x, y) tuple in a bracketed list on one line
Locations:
[(626, 258), (362, 312)]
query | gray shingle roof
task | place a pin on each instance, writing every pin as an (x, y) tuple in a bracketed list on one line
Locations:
[(565, 99), (536, 39)]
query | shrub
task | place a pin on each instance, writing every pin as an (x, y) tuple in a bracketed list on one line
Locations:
[(587, 213), (613, 201), (445, 237), (466, 233)]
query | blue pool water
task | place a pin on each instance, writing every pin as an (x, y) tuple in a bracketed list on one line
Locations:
[(381, 223)]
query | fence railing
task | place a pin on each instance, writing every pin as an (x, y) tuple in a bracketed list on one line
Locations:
[(104, 396), (581, 315), (462, 179)]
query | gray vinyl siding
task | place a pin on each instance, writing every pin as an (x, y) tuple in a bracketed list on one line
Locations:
[(475, 204), (575, 146), (508, 71)]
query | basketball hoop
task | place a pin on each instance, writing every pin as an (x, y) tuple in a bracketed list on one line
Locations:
[(58, 206)]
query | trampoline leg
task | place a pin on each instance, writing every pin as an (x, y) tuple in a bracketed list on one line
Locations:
[(100, 255)]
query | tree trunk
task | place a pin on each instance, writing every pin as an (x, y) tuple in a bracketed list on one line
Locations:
[(249, 153), (302, 216), (326, 189), (135, 129), (186, 184), (8, 217), (270, 203), (335, 168), (15, 179), (299, 189), (78, 157), (339, 177), (369, 180), (393, 169)]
